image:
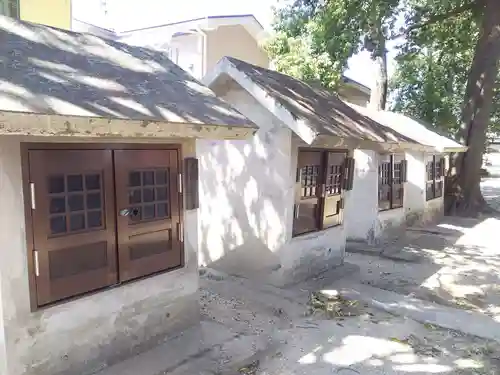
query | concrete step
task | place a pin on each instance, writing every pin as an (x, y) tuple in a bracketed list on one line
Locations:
[(402, 251), (469, 322), (230, 357), (262, 297), (191, 344)]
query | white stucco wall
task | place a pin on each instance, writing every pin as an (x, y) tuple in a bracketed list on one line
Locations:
[(364, 221), (434, 208), (361, 207), (3, 348), (247, 197), (88, 332)]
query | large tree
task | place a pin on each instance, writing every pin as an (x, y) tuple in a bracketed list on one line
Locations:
[(477, 109), (315, 38), (431, 72), (336, 29), (445, 24)]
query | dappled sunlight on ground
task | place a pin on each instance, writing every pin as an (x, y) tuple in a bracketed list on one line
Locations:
[(458, 265), (455, 263), (311, 341)]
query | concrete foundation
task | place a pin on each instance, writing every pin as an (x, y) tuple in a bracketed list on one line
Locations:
[(87, 333)]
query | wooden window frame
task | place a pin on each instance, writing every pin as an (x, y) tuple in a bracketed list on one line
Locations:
[(396, 168), (28, 216), (434, 177), (328, 189)]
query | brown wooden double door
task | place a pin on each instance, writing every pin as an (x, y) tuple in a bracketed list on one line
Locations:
[(101, 217)]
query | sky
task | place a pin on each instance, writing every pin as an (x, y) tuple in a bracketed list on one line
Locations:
[(133, 14)]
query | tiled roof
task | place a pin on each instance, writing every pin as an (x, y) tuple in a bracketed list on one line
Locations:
[(319, 108), (45, 70), (412, 128)]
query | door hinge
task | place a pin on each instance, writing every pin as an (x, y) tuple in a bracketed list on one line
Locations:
[(297, 209), (37, 264), (32, 195), (180, 182)]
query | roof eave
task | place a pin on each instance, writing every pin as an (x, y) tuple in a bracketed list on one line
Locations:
[(456, 149), (328, 140), (300, 127), (23, 123)]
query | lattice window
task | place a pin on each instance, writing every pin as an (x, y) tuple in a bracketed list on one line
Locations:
[(384, 171), (397, 173), (75, 203), (309, 180), (334, 180), (430, 170), (149, 195), (392, 176), (439, 172), (435, 173)]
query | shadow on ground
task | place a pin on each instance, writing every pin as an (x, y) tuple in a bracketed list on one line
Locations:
[(455, 263), (312, 341)]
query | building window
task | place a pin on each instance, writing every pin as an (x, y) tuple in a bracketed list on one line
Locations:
[(435, 170), (392, 175), (321, 178), (9, 8), (173, 54)]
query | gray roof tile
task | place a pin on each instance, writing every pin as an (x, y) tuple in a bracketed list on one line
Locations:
[(50, 71), (323, 110)]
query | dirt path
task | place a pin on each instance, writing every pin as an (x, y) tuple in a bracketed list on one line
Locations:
[(460, 269), (314, 341), (456, 263)]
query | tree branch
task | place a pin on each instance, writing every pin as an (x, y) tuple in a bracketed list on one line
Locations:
[(438, 18)]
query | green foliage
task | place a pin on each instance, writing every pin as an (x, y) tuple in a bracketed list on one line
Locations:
[(434, 62), (432, 69), (296, 57), (322, 35), (314, 40)]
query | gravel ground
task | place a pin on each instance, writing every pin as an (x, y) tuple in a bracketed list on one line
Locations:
[(315, 341), (461, 273), (490, 188)]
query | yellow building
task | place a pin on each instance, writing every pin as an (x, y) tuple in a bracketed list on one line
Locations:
[(47, 12)]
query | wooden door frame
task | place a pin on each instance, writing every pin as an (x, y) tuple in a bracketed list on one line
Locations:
[(324, 159), (28, 217)]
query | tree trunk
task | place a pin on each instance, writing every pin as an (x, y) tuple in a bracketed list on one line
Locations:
[(378, 95), (467, 199)]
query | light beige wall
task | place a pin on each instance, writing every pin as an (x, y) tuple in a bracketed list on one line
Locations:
[(80, 335), (56, 13), (236, 42)]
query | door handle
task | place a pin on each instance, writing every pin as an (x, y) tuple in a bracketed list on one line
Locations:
[(129, 212)]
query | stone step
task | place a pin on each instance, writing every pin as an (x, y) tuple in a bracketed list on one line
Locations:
[(191, 344), (230, 357), (469, 322)]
